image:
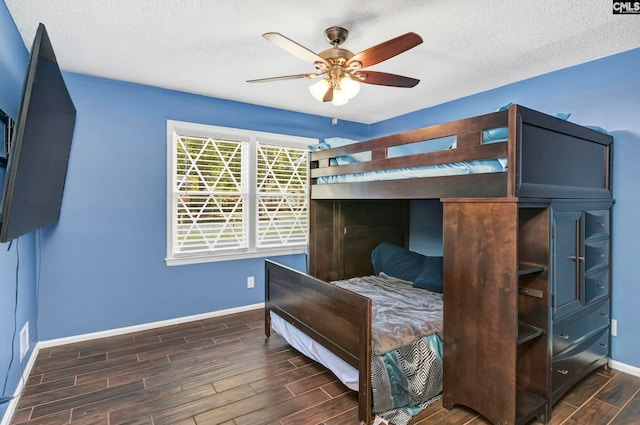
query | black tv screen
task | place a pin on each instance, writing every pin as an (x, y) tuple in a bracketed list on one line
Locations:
[(39, 153)]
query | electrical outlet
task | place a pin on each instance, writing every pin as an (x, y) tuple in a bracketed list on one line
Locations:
[(24, 340), (614, 327), (251, 282)]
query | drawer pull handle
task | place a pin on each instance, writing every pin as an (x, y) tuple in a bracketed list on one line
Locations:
[(604, 315), (563, 371), (602, 344), (563, 336), (573, 257), (600, 286), (601, 255), (600, 224)]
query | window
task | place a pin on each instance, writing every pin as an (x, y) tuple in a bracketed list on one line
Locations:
[(234, 193)]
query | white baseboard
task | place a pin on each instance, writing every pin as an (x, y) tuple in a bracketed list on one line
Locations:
[(11, 408), (631, 370), (622, 367), (145, 326), (6, 419)]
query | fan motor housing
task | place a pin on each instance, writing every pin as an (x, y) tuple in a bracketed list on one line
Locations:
[(339, 55), (336, 35)]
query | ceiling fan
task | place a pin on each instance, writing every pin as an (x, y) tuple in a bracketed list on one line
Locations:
[(340, 70)]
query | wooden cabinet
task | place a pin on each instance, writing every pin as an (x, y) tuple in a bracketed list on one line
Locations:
[(342, 234), (532, 245), (496, 308), (566, 289), (581, 307), (526, 314)]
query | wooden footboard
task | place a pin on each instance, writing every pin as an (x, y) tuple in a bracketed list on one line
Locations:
[(338, 319)]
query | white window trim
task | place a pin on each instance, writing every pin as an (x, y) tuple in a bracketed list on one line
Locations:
[(253, 137)]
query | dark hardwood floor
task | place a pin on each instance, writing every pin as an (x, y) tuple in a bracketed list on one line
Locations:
[(221, 371)]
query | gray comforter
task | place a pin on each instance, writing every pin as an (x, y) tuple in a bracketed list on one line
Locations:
[(407, 345), (402, 314)]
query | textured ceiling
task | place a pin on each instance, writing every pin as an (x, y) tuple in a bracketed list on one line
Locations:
[(212, 47)]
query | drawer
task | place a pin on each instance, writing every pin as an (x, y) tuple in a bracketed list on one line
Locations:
[(571, 331), (568, 370), (596, 255), (596, 286), (596, 224)]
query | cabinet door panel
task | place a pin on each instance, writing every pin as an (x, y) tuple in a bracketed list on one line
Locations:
[(596, 255), (566, 272), (596, 224), (570, 332), (596, 286), (565, 372)]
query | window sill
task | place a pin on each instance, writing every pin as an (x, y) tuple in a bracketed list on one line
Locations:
[(181, 261)]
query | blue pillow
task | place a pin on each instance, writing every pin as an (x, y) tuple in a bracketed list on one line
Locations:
[(431, 276), (319, 147), (336, 142), (504, 107), (493, 135), (597, 128), (396, 261), (498, 134)]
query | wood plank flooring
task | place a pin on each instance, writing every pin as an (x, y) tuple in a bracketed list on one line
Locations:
[(221, 371)]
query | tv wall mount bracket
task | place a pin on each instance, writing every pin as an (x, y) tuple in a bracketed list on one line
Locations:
[(7, 126)]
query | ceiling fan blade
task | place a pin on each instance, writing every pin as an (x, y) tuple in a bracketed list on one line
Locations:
[(385, 79), (386, 50), (284, 77), (293, 47), (328, 96)]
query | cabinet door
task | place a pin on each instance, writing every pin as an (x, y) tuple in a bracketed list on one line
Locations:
[(567, 254), (596, 224)]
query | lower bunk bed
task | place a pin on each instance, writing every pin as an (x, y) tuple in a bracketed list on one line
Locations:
[(543, 158), (384, 337)]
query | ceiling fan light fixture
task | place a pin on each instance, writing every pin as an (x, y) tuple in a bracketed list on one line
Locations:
[(339, 98), (319, 89), (350, 87)]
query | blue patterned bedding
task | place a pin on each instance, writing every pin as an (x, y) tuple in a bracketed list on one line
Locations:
[(455, 168), (406, 343), (407, 346), (407, 380)]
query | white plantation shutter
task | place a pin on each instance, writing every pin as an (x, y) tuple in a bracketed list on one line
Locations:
[(234, 194), (211, 195), (281, 196)]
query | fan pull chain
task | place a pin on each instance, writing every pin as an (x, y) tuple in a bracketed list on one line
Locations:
[(334, 120)]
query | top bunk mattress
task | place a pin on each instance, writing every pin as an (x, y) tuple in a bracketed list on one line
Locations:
[(497, 165)]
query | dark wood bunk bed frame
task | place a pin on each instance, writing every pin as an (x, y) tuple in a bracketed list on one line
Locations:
[(500, 241)]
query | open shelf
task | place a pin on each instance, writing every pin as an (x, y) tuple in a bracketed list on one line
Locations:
[(529, 268), (531, 292), (528, 332), (529, 405)]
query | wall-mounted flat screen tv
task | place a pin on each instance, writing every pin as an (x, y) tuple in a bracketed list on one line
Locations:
[(40, 146)]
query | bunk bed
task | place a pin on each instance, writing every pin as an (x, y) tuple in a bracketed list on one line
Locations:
[(544, 164)]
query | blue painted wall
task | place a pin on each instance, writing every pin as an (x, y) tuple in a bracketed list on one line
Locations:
[(103, 262), (17, 285), (102, 265), (604, 92)]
